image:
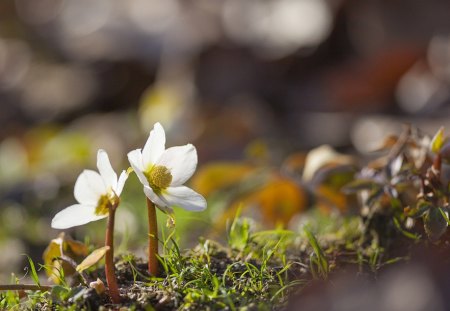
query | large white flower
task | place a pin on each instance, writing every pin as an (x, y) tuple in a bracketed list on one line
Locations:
[(95, 193), (164, 171)]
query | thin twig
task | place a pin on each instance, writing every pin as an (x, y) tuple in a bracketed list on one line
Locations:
[(400, 144), (43, 288)]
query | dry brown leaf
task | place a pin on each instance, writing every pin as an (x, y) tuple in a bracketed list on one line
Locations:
[(93, 258)]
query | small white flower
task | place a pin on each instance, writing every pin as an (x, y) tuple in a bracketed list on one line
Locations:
[(164, 171), (95, 193)]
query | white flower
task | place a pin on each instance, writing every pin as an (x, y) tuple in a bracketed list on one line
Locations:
[(164, 171), (95, 193)]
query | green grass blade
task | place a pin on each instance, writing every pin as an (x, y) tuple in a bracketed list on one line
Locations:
[(34, 274), (322, 261)]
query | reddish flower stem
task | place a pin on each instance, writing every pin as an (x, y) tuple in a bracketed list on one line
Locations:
[(153, 268), (109, 258)]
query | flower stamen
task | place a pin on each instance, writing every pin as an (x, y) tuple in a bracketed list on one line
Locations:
[(103, 206), (159, 177)]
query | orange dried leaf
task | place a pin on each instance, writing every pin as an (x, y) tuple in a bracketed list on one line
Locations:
[(329, 199), (387, 144), (322, 156), (70, 248), (278, 201), (93, 258), (220, 175), (52, 251), (76, 247)]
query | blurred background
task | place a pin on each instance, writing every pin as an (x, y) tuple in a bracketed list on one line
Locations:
[(250, 83)]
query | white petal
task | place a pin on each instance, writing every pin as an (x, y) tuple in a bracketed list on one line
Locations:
[(160, 202), (122, 179), (75, 215), (106, 170), (184, 197), (89, 187), (155, 145), (135, 158), (181, 161)]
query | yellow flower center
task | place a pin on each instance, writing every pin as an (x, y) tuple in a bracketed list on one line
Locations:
[(103, 205), (159, 177)]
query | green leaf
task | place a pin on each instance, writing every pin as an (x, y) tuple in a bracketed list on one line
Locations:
[(438, 141), (359, 184), (421, 208), (60, 293), (239, 232), (320, 260), (444, 213), (434, 223), (406, 233), (34, 274), (375, 195)]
